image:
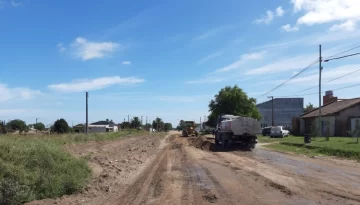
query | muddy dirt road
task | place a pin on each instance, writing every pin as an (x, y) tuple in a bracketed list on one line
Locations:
[(178, 170)]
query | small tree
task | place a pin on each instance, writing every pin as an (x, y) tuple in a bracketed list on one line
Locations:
[(158, 124), (60, 126), (39, 126), (309, 107), (16, 125)]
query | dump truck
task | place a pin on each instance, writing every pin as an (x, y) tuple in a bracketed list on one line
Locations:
[(189, 129), (232, 129)]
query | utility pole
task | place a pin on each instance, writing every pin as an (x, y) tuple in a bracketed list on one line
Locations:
[(272, 110), (157, 124), (36, 123), (320, 69), (87, 116), (129, 118), (200, 124), (146, 119), (141, 119)]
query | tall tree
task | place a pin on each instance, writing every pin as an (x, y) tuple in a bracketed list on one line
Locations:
[(61, 126), (16, 125), (158, 124), (167, 126), (234, 101), (135, 122), (309, 107), (147, 126)]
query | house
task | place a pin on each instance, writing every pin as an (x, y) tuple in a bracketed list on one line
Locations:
[(338, 116), (284, 111), (102, 126)]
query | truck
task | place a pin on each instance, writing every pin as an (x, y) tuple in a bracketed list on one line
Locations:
[(236, 129)]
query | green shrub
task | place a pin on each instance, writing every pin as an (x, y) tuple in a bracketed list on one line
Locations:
[(35, 169)]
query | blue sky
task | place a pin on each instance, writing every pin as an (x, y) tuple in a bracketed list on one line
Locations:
[(166, 58)]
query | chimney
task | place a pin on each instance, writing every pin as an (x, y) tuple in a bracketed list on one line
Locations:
[(329, 97)]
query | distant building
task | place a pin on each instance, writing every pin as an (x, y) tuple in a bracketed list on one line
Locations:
[(284, 111), (338, 116), (102, 126)]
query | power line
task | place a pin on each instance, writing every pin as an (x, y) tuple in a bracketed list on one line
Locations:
[(303, 70), (344, 51), (350, 86), (329, 81), (329, 59)]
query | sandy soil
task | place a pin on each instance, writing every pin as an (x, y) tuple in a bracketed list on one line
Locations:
[(177, 170)]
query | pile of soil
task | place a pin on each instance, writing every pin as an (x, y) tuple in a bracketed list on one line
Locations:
[(199, 142)]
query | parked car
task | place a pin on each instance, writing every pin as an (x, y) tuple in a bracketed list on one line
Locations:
[(279, 131), (266, 131)]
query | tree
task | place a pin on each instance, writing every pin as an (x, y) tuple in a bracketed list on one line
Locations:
[(234, 101), (125, 125), (135, 122), (181, 126), (2, 128), (16, 125), (309, 107), (147, 126), (60, 126), (167, 126), (39, 126), (158, 124)]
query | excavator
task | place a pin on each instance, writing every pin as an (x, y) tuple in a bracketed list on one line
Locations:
[(189, 129)]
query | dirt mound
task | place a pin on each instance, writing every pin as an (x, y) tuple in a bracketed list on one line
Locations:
[(199, 142)]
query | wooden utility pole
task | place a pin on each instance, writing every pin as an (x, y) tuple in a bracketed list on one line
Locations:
[(87, 116), (320, 69), (272, 110)]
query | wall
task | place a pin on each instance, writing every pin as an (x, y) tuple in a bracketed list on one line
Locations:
[(328, 125), (284, 110), (96, 129), (343, 120)]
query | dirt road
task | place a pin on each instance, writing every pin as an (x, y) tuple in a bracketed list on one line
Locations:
[(180, 170)]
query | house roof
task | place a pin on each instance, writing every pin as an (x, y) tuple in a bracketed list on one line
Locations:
[(332, 108)]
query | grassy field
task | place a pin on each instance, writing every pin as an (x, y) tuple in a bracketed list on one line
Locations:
[(343, 147), (37, 167)]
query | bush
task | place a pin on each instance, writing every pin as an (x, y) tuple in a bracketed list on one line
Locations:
[(35, 169), (60, 126)]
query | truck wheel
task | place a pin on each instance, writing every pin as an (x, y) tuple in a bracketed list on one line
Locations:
[(224, 143)]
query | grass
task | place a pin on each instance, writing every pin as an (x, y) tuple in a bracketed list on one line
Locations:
[(37, 167), (343, 147)]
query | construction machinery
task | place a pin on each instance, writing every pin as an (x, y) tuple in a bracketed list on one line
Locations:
[(235, 129), (189, 129)]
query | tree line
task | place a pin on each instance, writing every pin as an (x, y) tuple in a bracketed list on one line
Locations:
[(61, 126)]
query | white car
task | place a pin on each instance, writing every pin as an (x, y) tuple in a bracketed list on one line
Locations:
[(279, 131)]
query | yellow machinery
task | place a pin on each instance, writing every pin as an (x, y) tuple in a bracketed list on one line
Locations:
[(189, 129)]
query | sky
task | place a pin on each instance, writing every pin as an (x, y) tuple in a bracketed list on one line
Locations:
[(168, 58)]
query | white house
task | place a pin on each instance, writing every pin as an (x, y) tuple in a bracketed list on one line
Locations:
[(102, 126)]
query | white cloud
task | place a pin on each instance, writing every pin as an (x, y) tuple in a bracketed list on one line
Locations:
[(266, 19), (206, 80), (7, 93), (348, 25), (126, 63), (11, 112), (279, 11), (87, 50), (61, 47), (94, 84), (209, 57), (16, 4), (288, 28), (326, 11), (283, 65), (243, 59)]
